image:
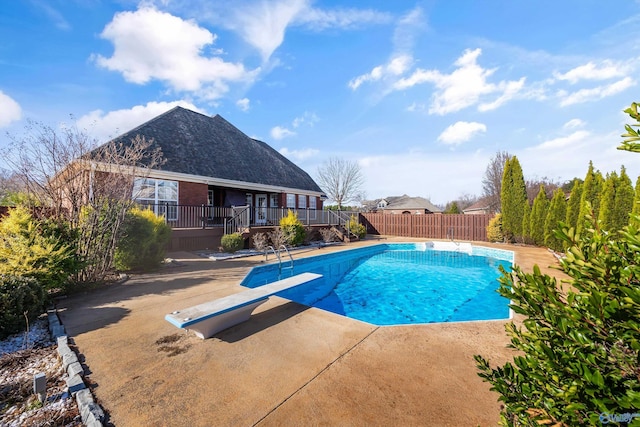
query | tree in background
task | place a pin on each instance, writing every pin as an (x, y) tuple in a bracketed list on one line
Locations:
[(462, 203), (513, 196), (616, 202), (538, 217), (590, 197), (624, 200), (608, 201), (556, 214), (533, 187), (11, 190), (573, 206), (341, 180), (452, 208), (492, 181), (526, 224)]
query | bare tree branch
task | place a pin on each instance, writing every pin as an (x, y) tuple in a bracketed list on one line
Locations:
[(492, 181), (89, 188), (341, 180)]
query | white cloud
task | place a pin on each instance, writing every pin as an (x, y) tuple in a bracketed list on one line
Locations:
[(401, 59), (590, 71), (395, 67), (280, 132), (460, 132), (149, 44), (574, 123), (243, 104), (11, 110), (572, 140), (463, 87), (105, 126), (407, 28), (593, 94), (417, 107), (509, 91), (262, 24), (307, 118), (53, 14), (299, 155), (343, 18)]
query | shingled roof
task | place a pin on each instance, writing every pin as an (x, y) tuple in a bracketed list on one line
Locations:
[(196, 144), (405, 202)]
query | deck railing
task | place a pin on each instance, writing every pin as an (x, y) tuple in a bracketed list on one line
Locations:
[(235, 218)]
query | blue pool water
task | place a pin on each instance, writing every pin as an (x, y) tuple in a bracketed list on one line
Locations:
[(393, 284)]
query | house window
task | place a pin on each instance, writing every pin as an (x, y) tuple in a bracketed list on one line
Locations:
[(159, 195), (312, 207), (273, 200), (291, 201), (302, 202)]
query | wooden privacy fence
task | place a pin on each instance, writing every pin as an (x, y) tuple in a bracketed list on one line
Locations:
[(430, 226)]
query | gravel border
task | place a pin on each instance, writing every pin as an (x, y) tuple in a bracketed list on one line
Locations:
[(91, 413)]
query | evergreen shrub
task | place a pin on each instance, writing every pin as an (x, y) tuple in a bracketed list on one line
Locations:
[(44, 250), (494, 229), (356, 228), (19, 297), (577, 351), (293, 229), (143, 240), (232, 242)]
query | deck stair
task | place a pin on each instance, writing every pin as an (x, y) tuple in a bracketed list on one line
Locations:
[(344, 235)]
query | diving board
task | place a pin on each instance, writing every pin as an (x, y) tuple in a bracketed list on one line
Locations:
[(211, 317)]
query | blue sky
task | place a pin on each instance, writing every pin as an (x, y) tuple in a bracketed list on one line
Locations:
[(421, 94)]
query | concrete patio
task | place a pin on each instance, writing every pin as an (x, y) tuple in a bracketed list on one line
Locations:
[(288, 365)]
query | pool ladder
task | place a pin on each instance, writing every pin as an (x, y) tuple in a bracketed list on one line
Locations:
[(450, 235), (278, 255)]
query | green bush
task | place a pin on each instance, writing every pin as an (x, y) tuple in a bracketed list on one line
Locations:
[(293, 229), (19, 296), (356, 228), (577, 351), (143, 239), (494, 229), (44, 250), (232, 242)]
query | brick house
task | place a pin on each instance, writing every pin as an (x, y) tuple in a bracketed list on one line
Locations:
[(213, 172)]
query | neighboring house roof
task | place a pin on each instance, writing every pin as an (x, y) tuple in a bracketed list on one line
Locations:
[(408, 203), (480, 205), (204, 146)]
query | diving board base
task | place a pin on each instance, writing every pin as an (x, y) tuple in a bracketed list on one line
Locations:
[(211, 317), (211, 326)]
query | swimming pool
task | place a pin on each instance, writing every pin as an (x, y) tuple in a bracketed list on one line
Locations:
[(399, 283)]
